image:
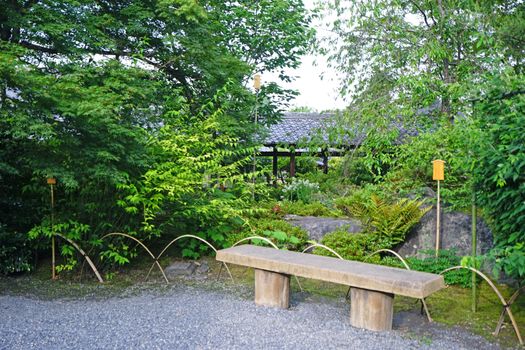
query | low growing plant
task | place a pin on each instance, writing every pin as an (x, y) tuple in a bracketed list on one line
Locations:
[(280, 232), (353, 246), (307, 209), (389, 220), (300, 190), (431, 263)]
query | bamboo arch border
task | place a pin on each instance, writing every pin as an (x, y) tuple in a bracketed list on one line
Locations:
[(423, 302), (313, 245), (187, 236), (506, 306), (143, 246), (77, 247)]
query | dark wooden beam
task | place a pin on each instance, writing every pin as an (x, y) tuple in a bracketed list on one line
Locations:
[(292, 163), (274, 165), (325, 161)]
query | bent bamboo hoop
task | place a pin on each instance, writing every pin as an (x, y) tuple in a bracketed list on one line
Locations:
[(189, 236), (423, 302), (509, 304), (491, 284), (313, 245), (143, 246), (84, 255)]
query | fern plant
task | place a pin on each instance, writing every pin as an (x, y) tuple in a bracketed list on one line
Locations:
[(391, 221)]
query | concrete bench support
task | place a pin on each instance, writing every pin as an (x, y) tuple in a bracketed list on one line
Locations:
[(371, 309), (272, 289)]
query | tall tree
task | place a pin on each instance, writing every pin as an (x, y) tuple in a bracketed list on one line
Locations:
[(431, 49), (85, 86)]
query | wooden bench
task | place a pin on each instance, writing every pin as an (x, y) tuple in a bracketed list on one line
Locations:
[(372, 286)]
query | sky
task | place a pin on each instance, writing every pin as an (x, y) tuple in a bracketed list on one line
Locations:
[(315, 92)]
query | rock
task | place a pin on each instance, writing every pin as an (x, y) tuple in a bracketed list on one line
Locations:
[(180, 268), (455, 234), (203, 268), (187, 269), (318, 227)]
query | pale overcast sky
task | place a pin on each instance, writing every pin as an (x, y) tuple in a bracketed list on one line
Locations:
[(317, 93)]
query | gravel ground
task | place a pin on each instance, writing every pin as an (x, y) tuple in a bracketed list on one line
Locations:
[(189, 317)]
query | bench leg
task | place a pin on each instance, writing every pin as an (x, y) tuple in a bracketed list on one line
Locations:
[(272, 289), (371, 309)]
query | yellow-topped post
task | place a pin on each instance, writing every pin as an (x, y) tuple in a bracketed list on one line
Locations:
[(438, 174)]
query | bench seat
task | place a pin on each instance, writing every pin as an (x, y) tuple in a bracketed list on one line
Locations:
[(373, 286)]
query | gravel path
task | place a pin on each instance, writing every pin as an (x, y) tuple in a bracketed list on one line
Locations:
[(186, 317)]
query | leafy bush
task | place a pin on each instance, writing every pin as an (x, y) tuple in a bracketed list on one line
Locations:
[(306, 209), (431, 263), (300, 190), (390, 221), (15, 252), (353, 246), (500, 173), (280, 232), (449, 142)]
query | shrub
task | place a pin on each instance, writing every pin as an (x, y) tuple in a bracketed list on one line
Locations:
[(307, 209), (431, 263), (500, 173), (15, 252), (300, 190), (280, 232), (390, 221), (353, 246)]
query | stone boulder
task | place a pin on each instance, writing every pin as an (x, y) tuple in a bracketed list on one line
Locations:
[(318, 227), (186, 269), (456, 233)]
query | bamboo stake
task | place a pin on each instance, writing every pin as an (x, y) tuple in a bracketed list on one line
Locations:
[(53, 260), (474, 241)]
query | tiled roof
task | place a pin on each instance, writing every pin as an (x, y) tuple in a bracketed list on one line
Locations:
[(296, 127)]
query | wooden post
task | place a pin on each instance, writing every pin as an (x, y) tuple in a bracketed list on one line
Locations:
[(292, 162), (325, 161), (371, 309), (474, 241), (51, 182), (272, 289), (274, 166)]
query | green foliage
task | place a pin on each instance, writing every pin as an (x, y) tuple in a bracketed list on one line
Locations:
[(306, 209), (500, 171), (353, 246), (15, 252), (450, 142), (196, 179), (99, 95), (390, 221), (280, 232), (431, 263), (300, 190)]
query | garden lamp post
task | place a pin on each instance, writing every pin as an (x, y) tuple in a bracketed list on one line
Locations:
[(257, 87), (438, 174), (51, 181)]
